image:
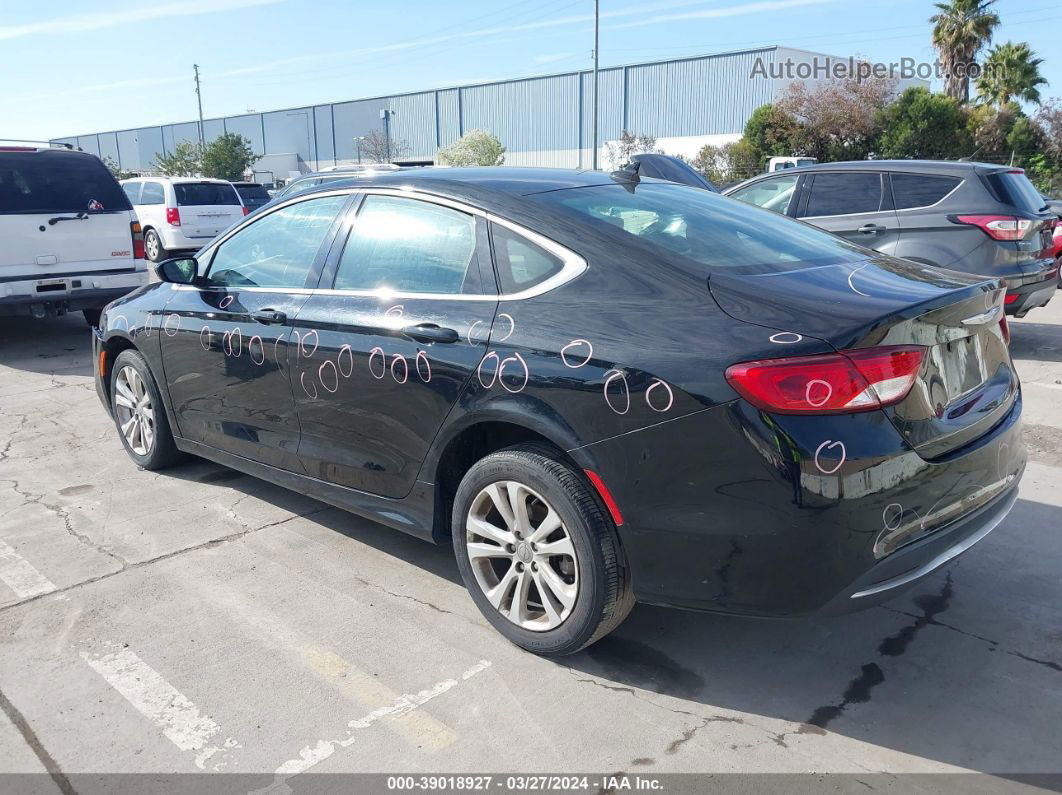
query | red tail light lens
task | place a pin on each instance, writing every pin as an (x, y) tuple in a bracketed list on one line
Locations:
[(833, 383), (1010, 298), (998, 227), (173, 216), (246, 211), (1005, 328), (138, 240)]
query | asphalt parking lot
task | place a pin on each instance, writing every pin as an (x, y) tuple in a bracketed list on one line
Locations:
[(199, 619)]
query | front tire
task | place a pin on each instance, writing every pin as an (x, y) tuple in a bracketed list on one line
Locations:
[(153, 247), (538, 553), (139, 413)]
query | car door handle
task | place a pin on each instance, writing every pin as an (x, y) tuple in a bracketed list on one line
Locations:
[(270, 316), (870, 229), (429, 332)]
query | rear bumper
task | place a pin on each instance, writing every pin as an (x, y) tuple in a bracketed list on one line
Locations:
[(1032, 289), (728, 510), (68, 293)]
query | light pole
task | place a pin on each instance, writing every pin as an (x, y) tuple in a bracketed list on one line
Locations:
[(386, 115), (357, 145), (597, 18)]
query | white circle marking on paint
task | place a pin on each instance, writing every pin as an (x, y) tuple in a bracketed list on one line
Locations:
[(573, 344), (825, 399), (423, 357), (670, 395), (479, 370), (339, 360), (405, 368), (335, 374), (512, 325), (383, 357), (516, 357), (829, 444), (611, 376)]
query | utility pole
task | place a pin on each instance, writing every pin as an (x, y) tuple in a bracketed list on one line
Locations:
[(385, 114), (597, 19), (199, 99)]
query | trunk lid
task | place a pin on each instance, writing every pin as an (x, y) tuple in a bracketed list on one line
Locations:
[(207, 208), (966, 383)]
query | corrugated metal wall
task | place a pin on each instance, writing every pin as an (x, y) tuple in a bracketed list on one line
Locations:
[(541, 121)]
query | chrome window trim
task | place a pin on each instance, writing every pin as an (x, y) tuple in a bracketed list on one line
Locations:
[(572, 267)]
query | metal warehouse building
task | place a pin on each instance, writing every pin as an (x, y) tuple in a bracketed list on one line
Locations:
[(543, 121)]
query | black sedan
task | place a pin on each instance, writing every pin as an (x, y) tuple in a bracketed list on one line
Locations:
[(600, 389)]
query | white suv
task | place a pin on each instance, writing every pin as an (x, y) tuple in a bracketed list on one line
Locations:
[(70, 238), (182, 213)]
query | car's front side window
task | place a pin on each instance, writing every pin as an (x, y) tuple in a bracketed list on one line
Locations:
[(771, 194), (409, 245), (278, 249)]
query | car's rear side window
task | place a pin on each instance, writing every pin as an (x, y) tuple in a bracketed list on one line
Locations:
[(132, 190), (920, 190), (676, 221), (57, 182), (153, 193), (191, 194), (521, 264), (844, 194), (253, 196)]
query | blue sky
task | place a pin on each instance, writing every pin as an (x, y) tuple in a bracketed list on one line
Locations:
[(71, 68)]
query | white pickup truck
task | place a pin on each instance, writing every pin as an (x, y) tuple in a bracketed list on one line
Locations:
[(71, 240)]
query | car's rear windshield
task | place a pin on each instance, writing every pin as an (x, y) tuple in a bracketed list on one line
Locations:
[(704, 227), (57, 182), (190, 194), (253, 195), (1015, 189)]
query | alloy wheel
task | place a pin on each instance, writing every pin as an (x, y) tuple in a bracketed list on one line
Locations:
[(152, 247), (522, 555), (136, 415)]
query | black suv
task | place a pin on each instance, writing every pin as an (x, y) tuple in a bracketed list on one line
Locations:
[(974, 217)]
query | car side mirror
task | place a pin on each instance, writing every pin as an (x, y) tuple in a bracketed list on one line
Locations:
[(179, 270)]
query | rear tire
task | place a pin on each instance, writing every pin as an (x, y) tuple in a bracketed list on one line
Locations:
[(153, 248), (564, 544), (139, 413)]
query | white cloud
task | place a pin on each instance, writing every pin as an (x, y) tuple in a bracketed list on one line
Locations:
[(96, 20)]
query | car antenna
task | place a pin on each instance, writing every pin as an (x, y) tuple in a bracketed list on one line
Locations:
[(628, 176)]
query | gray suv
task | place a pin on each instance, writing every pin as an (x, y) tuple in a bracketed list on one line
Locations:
[(972, 217)]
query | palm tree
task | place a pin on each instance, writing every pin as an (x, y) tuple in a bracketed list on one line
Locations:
[(1011, 71), (960, 30)]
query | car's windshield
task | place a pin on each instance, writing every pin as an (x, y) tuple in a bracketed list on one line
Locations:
[(205, 193), (704, 227)]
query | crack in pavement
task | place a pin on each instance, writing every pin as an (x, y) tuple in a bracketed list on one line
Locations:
[(689, 733), (169, 555)]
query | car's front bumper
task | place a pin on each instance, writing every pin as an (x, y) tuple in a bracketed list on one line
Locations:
[(68, 292)]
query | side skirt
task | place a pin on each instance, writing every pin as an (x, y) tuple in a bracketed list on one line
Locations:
[(414, 514)]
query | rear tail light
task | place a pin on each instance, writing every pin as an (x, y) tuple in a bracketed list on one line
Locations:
[(246, 211), (1005, 328), (997, 227), (173, 216), (833, 383), (1010, 298), (137, 234)]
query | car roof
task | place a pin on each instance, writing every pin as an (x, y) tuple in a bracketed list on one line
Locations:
[(179, 180), (935, 166), (482, 180)]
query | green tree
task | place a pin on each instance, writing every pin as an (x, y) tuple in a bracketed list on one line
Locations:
[(184, 161), (1011, 71), (227, 157), (115, 169), (728, 163), (960, 29), (924, 125), (474, 148), (771, 131), (619, 152)]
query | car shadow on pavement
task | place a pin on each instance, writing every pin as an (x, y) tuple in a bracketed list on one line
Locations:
[(51, 345), (1035, 341), (938, 673)]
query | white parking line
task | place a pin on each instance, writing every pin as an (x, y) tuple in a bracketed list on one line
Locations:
[(164, 705), (403, 705), (20, 576)]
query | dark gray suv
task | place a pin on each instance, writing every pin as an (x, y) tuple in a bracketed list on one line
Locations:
[(973, 217)]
